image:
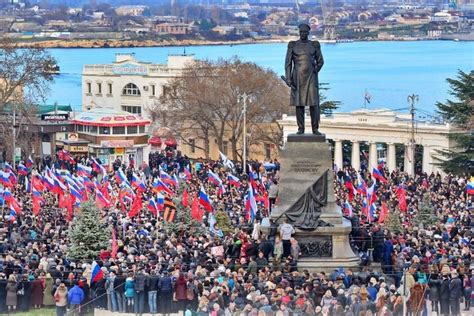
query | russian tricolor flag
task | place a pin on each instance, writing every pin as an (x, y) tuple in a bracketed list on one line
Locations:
[(187, 173), (167, 178), (251, 205), (5, 179), (233, 180), (8, 167), (372, 209), (378, 175), (22, 169), (153, 206), (84, 170), (121, 177), (136, 182), (29, 162), (470, 188), (347, 209), (204, 200), (214, 178), (159, 185), (371, 196), (97, 273)]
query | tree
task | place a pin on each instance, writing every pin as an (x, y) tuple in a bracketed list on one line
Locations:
[(426, 215), (460, 112), (24, 82), (206, 101), (393, 222), (89, 234)]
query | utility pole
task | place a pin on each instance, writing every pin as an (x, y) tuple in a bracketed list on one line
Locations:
[(14, 135), (412, 99), (244, 97)]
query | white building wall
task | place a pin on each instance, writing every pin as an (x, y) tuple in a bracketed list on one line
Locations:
[(126, 69)]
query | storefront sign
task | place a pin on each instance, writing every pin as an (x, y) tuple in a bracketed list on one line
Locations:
[(55, 117), (78, 149), (130, 69), (73, 136), (119, 151), (116, 143)]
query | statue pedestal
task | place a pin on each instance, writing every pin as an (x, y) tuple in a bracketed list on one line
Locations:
[(304, 159)]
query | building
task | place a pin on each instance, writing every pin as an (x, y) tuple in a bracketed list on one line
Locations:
[(109, 135), (172, 28), (133, 10), (382, 131), (127, 84)]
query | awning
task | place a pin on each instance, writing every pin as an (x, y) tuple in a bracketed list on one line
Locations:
[(155, 141), (109, 117)]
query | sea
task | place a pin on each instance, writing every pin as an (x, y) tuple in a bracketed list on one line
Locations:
[(387, 71)]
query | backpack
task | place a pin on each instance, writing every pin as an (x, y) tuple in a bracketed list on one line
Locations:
[(190, 294)]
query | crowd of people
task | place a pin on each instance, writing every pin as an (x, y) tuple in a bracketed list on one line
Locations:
[(243, 264)]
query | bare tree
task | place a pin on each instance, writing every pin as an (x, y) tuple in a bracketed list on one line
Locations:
[(204, 102), (25, 76)]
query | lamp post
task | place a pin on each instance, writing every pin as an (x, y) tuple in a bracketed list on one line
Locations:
[(412, 99), (244, 96)]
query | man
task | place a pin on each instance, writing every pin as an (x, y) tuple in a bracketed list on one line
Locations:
[(75, 298), (455, 292), (272, 194), (303, 62), (286, 230)]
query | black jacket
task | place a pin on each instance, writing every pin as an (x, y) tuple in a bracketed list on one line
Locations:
[(444, 290), (119, 282), (455, 289), (139, 284), (152, 282)]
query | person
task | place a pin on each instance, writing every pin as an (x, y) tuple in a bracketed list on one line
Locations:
[(110, 290), (48, 299), (75, 298), (166, 293), (272, 194), (129, 293), (277, 253), (139, 286), (467, 286), (444, 291), (152, 288), (60, 297), (180, 292), (455, 293), (12, 288), (286, 231), (37, 293), (302, 63)]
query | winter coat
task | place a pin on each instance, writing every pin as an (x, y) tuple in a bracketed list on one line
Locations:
[(48, 299), (139, 284), (180, 289), (455, 289), (76, 295), (37, 292), (61, 295), (12, 298), (129, 288), (434, 285), (444, 290)]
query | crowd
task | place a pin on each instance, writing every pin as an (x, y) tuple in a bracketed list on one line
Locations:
[(244, 265)]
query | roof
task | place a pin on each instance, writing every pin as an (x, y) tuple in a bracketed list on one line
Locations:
[(100, 116), (42, 109)]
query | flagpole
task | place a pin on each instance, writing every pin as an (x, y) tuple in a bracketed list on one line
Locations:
[(365, 99)]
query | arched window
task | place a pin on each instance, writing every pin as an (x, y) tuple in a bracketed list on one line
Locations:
[(131, 89)]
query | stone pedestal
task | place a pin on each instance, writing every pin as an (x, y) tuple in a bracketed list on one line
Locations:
[(304, 159)]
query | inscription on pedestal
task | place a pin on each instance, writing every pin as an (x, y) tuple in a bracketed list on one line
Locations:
[(316, 246), (304, 166)]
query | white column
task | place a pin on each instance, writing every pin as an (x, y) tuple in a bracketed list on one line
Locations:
[(355, 159), (391, 157), (409, 166), (372, 155), (427, 159), (338, 153)]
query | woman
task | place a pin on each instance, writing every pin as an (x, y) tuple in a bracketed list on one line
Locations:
[(295, 249), (12, 287), (180, 293), (380, 300), (37, 293), (60, 297), (48, 299), (416, 302), (467, 291), (327, 299), (129, 293)]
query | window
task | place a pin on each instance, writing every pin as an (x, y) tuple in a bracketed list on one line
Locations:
[(268, 151), (93, 129), (141, 129), (80, 128), (118, 130), (89, 87), (164, 90), (132, 130), (109, 91), (99, 88), (104, 130), (192, 145), (133, 109), (131, 89), (225, 147), (153, 89)]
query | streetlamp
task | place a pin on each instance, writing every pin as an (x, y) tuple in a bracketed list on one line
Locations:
[(412, 99), (244, 97)]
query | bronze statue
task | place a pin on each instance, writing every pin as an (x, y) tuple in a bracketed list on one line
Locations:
[(303, 62)]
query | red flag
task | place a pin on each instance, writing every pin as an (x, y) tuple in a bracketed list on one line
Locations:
[(401, 194), (36, 206), (185, 200), (136, 205), (70, 206), (114, 244), (383, 213), (350, 188), (196, 211), (62, 200)]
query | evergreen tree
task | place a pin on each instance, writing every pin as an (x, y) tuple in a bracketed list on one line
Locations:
[(223, 221), (88, 234), (393, 222), (460, 112), (425, 215)]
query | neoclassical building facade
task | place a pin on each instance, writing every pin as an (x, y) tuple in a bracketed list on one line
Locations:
[(381, 128)]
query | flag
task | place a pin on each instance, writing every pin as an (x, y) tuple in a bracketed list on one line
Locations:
[(29, 162), (153, 206), (470, 188), (114, 244), (66, 156), (367, 97), (84, 171), (185, 198), (8, 167), (402, 199), (137, 205), (252, 178), (5, 179), (233, 180), (187, 173), (383, 212), (100, 200), (376, 174), (22, 169), (136, 182), (166, 178), (213, 178), (121, 177), (97, 274), (226, 161), (347, 209), (160, 201), (371, 196), (196, 211), (350, 187), (250, 205), (159, 186), (98, 168), (204, 200), (372, 209)]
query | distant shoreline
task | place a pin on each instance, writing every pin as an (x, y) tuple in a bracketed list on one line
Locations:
[(153, 43)]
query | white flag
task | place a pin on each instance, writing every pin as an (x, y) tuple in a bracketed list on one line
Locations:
[(226, 161)]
